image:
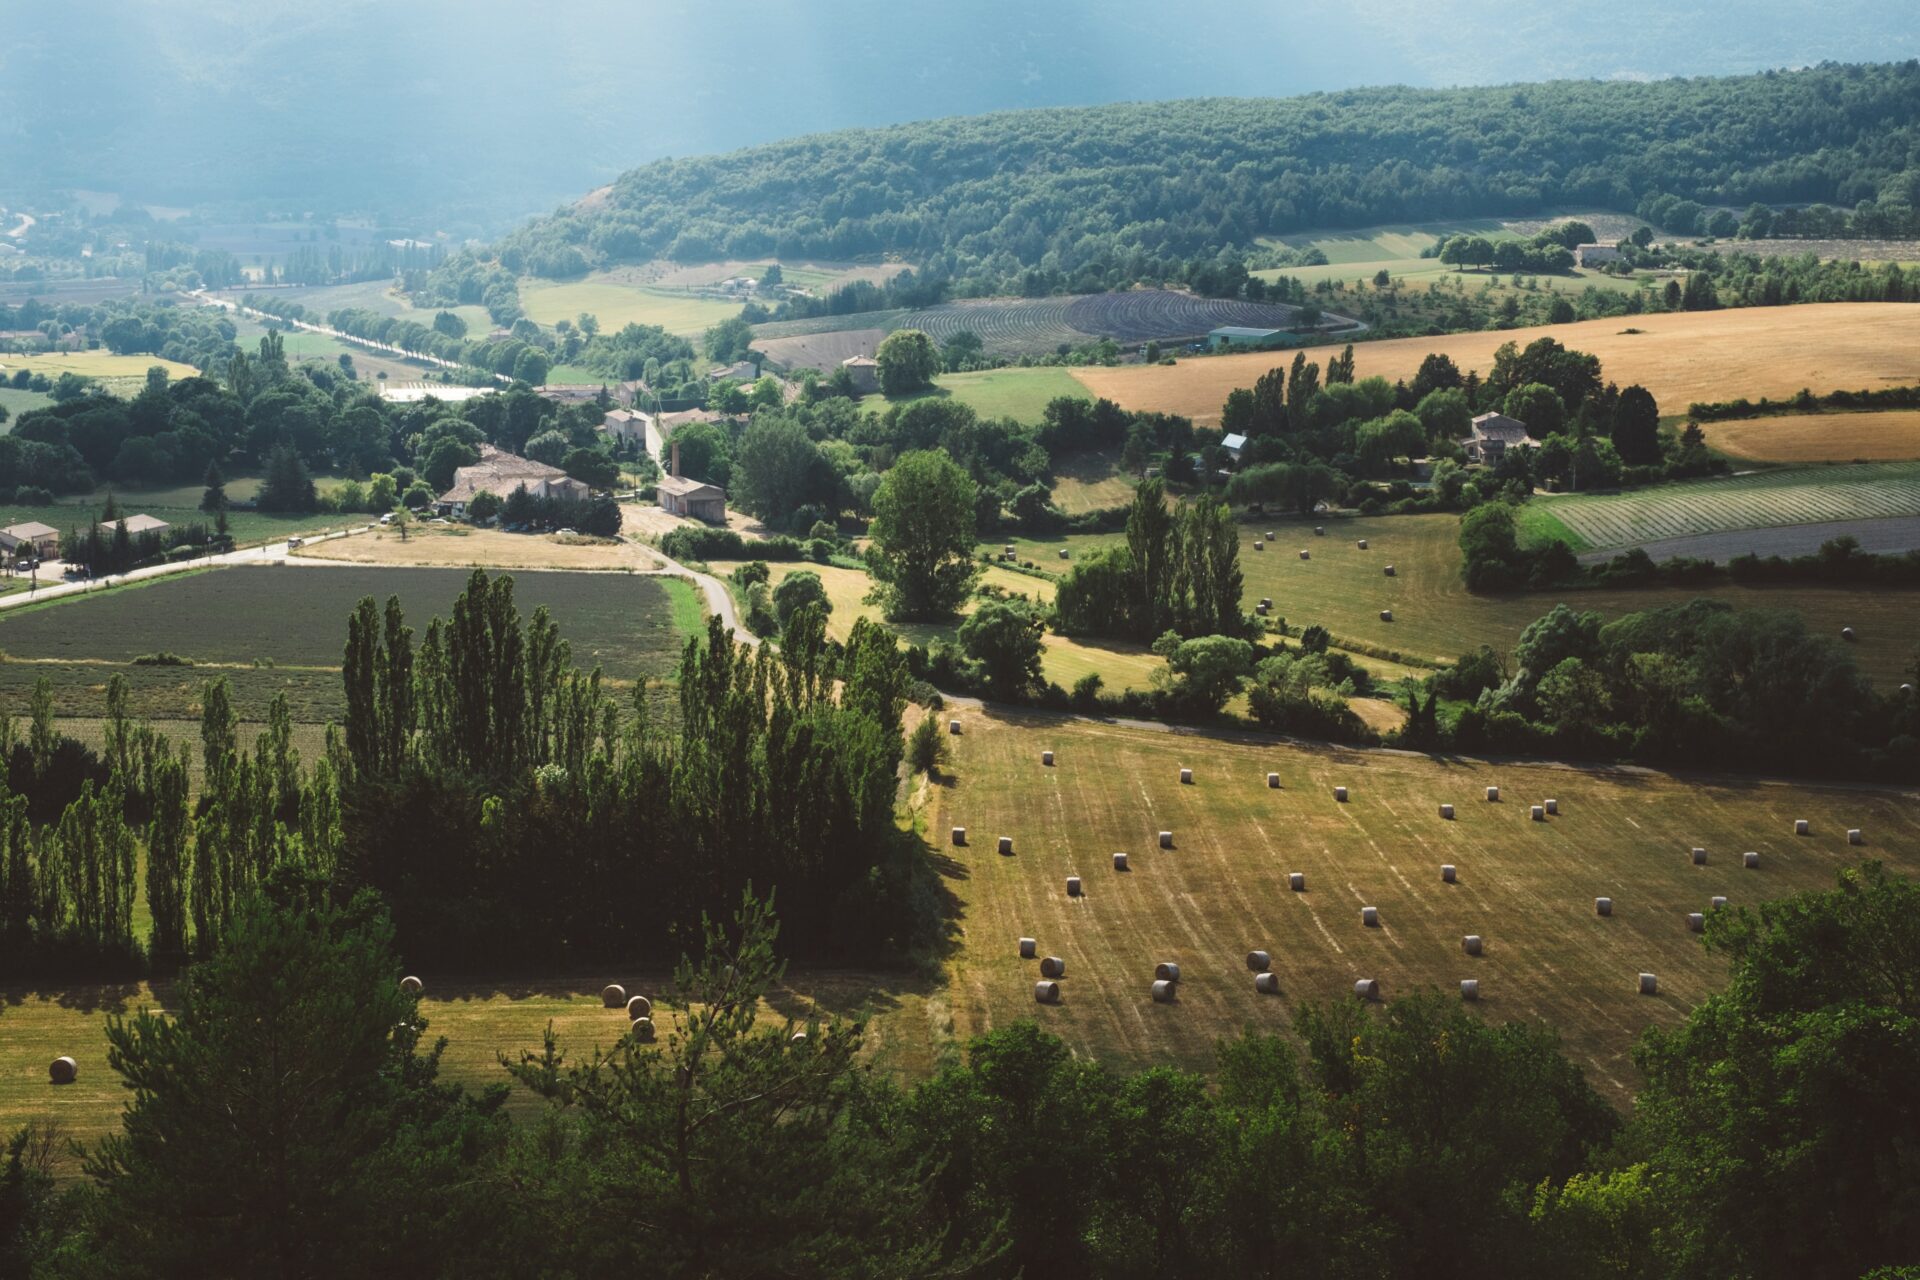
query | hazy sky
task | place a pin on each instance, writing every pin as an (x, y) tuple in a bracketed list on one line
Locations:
[(426, 107)]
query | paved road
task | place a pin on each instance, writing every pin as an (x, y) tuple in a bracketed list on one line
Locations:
[(267, 554), (719, 599)]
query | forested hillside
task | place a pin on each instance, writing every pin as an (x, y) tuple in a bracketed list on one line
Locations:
[(1052, 199)]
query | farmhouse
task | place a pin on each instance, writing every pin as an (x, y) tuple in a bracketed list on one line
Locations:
[(1237, 335), (39, 540), (865, 372), (500, 473), (683, 497), (1493, 434), (628, 393), (1594, 255)]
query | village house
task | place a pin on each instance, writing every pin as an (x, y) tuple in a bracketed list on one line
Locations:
[(660, 428), (39, 541), (683, 497), (625, 425), (500, 473), (1594, 255), (738, 371), (569, 392), (1493, 434)]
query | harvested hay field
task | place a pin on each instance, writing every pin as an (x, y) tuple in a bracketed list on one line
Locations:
[(1893, 436), (1527, 887), (1682, 357), (1090, 482), (459, 546), (482, 1018)]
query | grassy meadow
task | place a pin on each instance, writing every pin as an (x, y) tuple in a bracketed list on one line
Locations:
[(1020, 394), (1435, 618), (180, 505), (618, 303)]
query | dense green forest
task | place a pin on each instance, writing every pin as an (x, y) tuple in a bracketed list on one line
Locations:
[(1085, 198)]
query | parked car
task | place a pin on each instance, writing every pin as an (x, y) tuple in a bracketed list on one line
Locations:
[(294, 544), (387, 518)]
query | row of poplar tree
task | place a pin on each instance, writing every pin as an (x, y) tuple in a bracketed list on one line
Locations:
[(1178, 571), (498, 797)]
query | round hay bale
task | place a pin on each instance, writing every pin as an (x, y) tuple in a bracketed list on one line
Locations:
[(1053, 967), (1493, 795), (1370, 917), (614, 996), (1907, 690), (1696, 922), (1063, 553), (1603, 906), (1186, 777), (1046, 993), (1362, 544), (1010, 548), (1166, 839), (1802, 827), (1388, 571), (1367, 989), (412, 985), (953, 727), (641, 1029), (1471, 944), (1259, 961), (1028, 948), (1046, 758), (1846, 633), (1649, 985), (639, 1007), (1167, 971), (1469, 988), (959, 837), (1261, 608), (1716, 903), (1119, 862), (1553, 807), (1750, 860), (1267, 984), (1854, 836), (1259, 545), (1163, 992), (1699, 857), (1386, 615), (1319, 531), (1305, 554), (1266, 602), (63, 1070), (798, 1037), (1073, 886), (1297, 881), (1538, 813), (1340, 794), (1448, 874), (1446, 811), (1006, 844), (1273, 782)]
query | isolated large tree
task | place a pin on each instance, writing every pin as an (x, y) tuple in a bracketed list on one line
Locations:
[(923, 536), (908, 361)]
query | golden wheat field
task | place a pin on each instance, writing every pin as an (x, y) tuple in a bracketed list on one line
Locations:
[(1680, 357), (1893, 436)]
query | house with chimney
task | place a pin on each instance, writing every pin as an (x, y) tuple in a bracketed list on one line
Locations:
[(697, 499)]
